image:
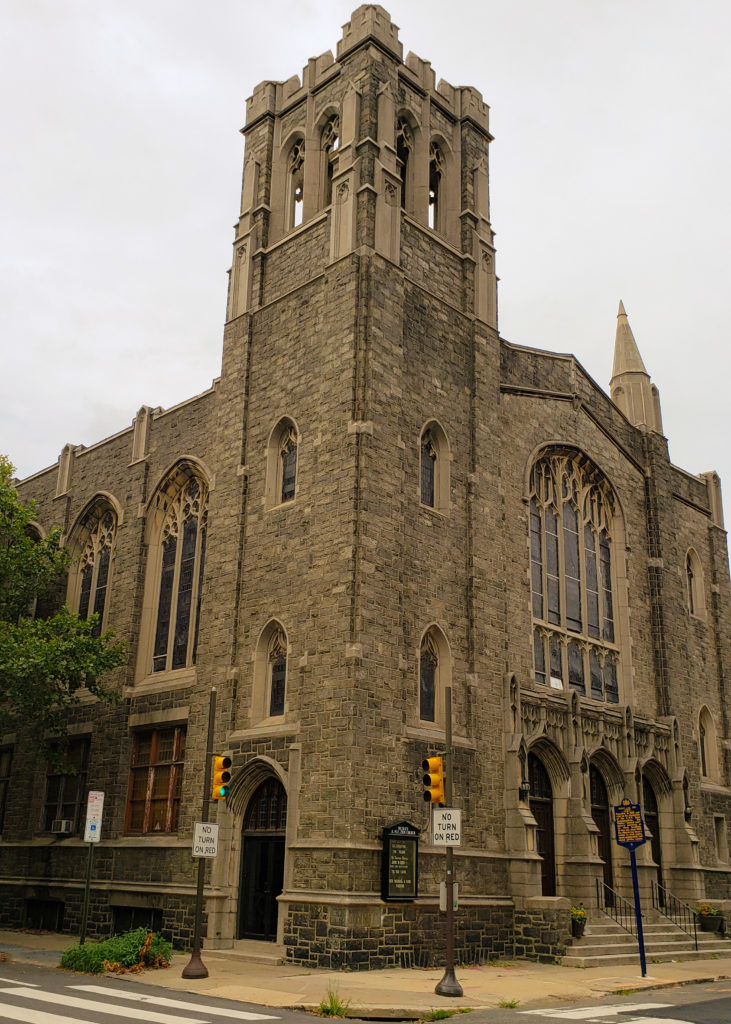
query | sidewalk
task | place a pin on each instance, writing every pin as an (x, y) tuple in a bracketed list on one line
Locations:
[(396, 994)]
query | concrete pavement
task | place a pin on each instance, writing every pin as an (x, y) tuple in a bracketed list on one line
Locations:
[(397, 993)]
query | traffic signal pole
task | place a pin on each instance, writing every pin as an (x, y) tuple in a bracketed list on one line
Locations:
[(449, 986), (195, 968)]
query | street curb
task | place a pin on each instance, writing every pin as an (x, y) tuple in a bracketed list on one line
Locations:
[(625, 990)]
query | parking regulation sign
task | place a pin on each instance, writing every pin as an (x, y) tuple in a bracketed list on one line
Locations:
[(94, 808), (205, 839)]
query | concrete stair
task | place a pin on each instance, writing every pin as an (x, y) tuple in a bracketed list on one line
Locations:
[(606, 943)]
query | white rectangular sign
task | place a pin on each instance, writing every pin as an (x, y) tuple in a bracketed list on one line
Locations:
[(205, 839), (446, 826), (443, 895), (94, 808)]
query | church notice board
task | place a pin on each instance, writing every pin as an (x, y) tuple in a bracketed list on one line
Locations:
[(400, 863)]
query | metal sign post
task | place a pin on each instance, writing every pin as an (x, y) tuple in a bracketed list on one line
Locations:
[(630, 832), (449, 986), (92, 834)]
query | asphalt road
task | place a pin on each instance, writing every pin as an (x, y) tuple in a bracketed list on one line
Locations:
[(689, 1004), (41, 995)]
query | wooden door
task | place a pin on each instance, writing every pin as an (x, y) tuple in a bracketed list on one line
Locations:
[(652, 825), (600, 814), (541, 807), (262, 862)]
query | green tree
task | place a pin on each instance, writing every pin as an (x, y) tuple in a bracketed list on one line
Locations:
[(44, 661)]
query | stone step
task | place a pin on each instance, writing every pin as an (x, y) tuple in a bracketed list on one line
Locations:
[(674, 947), (622, 959), (250, 951)]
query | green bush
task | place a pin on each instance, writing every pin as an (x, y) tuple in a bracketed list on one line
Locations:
[(133, 950)]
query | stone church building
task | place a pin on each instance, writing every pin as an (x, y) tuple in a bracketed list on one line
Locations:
[(377, 499)]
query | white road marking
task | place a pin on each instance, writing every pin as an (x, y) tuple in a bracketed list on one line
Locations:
[(175, 1004), (22, 984), (589, 1013), (94, 1006), (28, 1015)]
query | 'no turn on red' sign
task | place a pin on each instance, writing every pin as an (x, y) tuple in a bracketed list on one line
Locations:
[(446, 826), (205, 839)]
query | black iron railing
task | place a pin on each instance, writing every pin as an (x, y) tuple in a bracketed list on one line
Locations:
[(678, 912), (616, 907)]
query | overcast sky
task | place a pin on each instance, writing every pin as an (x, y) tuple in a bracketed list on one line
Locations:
[(120, 167)]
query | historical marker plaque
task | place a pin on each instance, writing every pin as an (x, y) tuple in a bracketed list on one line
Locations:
[(400, 863), (628, 825)]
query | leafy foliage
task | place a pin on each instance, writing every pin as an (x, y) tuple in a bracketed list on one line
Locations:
[(44, 661), (127, 953)]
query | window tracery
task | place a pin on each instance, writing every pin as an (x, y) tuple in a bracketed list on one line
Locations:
[(434, 467), (288, 460), (694, 585), (94, 566), (181, 578), (404, 149), (571, 514), (296, 182), (277, 659), (428, 670)]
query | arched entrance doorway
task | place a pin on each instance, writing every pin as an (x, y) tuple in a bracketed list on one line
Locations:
[(652, 824), (541, 807), (262, 861), (600, 814)]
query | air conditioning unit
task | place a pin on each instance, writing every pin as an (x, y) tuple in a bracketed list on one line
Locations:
[(64, 826)]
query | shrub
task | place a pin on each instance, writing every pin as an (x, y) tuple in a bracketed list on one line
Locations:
[(333, 1005), (130, 952)]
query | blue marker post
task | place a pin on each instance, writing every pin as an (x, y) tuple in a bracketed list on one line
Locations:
[(630, 832)]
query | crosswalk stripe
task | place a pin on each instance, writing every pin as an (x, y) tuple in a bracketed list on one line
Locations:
[(28, 1015), (22, 984), (591, 1012), (95, 1006), (174, 1004)]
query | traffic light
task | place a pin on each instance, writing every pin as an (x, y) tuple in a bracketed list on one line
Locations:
[(221, 777), (433, 779)]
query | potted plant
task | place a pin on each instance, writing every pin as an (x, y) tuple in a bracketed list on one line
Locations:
[(709, 917), (578, 921)]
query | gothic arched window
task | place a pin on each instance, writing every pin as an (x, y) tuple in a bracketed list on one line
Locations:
[(571, 514), (694, 585), (434, 467), (330, 140), (277, 659), (708, 745), (269, 695), (281, 483), (94, 566), (296, 183), (428, 673), (404, 149), (178, 599), (436, 175)]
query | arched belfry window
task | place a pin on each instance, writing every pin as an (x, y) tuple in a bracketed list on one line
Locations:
[(183, 549), (296, 183), (330, 145), (694, 585), (281, 485), (95, 564), (404, 149), (436, 191), (572, 511), (434, 467)]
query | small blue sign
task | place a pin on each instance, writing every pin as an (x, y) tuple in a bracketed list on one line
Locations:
[(628, 825)]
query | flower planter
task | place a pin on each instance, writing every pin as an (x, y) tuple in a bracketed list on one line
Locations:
[(710, 922), (577, 927)]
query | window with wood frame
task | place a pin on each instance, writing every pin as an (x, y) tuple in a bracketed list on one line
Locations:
[(66, 786), (155, 780)]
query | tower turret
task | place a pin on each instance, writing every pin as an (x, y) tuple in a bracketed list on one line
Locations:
[(631, 387)]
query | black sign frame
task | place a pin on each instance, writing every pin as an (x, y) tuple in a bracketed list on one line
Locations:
[(400, 863)]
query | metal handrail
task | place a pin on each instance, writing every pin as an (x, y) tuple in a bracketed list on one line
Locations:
[(616, 907), (678, 912)]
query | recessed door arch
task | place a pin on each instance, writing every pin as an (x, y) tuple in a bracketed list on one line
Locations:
[(262, 861), (652, 824), (541, 807)]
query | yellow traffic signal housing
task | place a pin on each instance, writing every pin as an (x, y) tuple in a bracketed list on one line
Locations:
[(221, 777), (433, 779)]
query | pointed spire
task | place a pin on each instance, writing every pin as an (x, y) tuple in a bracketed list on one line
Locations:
[(627, 358), (630, 387)]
